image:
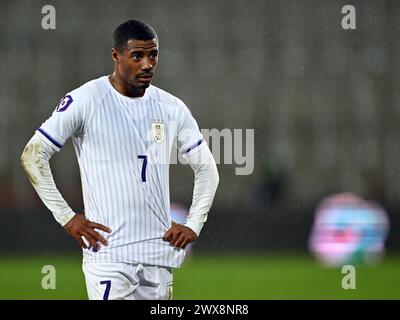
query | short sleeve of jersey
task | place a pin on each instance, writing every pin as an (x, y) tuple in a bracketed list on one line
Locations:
[(189, 137), (67, 120)]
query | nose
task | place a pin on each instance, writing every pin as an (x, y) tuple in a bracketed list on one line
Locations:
[(147, 65)]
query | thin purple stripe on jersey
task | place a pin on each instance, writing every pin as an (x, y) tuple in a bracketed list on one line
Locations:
[(50, 138), (195, 145)]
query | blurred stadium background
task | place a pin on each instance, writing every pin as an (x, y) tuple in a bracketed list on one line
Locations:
[(324, 104)]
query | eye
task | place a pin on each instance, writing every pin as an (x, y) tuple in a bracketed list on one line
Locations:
[(136, 55), (154, 55)]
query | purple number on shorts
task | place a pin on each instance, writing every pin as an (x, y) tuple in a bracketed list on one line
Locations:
[(144, 167), (108, 287)]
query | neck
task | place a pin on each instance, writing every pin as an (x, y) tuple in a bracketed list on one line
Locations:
[(124, 88)]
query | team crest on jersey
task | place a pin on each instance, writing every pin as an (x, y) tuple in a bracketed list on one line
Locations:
[(158, 128), (64, 103)]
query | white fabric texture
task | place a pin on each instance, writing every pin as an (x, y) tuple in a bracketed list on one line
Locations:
[(123, 146), (35, 160), (122, 281)]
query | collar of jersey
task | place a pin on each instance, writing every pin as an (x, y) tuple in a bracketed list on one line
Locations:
[(126, 98)]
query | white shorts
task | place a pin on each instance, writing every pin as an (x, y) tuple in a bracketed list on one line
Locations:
[(127, 281)]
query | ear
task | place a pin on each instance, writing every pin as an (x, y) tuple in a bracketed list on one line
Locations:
[(115, 55)]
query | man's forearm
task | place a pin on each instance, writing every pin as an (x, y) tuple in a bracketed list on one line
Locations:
[(205, 185), (35, 161)]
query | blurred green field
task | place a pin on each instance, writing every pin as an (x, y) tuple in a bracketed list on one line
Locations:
[(233, 276)]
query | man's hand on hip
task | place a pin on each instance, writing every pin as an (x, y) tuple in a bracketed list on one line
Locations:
[(179, 235), (79, 227)]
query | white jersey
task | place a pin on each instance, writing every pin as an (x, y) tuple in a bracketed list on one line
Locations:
[(123, 146)]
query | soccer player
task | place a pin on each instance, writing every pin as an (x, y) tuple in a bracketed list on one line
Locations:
[(123, 130)]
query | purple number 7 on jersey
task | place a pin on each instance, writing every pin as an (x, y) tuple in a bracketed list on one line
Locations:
[(144, 166), (108, 287)]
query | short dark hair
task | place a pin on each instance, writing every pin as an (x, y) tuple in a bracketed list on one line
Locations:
[(132, 30)]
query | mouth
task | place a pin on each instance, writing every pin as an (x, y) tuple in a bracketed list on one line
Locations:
[(145, 77)]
